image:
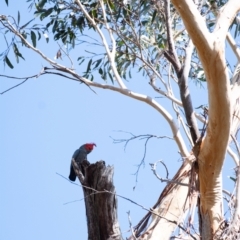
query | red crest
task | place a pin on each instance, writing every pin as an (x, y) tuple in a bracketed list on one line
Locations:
[(90, 146)]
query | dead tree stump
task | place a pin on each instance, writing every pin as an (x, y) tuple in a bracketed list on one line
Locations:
[(100, 200)]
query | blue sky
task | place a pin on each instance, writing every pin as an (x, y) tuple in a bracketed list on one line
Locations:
[(46, 119)]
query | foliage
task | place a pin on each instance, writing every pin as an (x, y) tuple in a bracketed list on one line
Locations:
[(138, 26)]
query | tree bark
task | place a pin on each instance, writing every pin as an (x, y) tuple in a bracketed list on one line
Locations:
[(210, 48), (100, 200)]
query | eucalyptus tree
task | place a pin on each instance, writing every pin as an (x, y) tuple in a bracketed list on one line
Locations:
[(168, 42)]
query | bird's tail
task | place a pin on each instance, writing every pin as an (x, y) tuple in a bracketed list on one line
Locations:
[(72, 175)]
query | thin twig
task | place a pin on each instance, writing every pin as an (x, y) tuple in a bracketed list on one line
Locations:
[(130, 225), (236, 144), (147, 137), (153, 168), (14, 86)]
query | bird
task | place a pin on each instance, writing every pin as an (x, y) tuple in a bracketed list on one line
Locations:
[(79, 156)]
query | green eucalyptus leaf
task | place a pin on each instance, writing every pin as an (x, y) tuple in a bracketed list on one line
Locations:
[(18, 17), (100, 71), (33, 38), (110, 76), (89, 65), (17, 53), (39, 36), (8, 62), (97, 63), (46, 13), (23, 26), (154, 15)]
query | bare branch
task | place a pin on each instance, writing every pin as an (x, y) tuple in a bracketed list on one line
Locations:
[(147, 137), (236, 144), (17, 85), (141, 137), (186, 130), (166, 94), (236, 215), (227, 192), (113, 53), (171, 54), (233, 45), (42, 72), (185, 94), (233, 155), (153, 168), (130, 225)]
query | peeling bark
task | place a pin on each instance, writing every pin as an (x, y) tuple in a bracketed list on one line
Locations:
[(171, 206)]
